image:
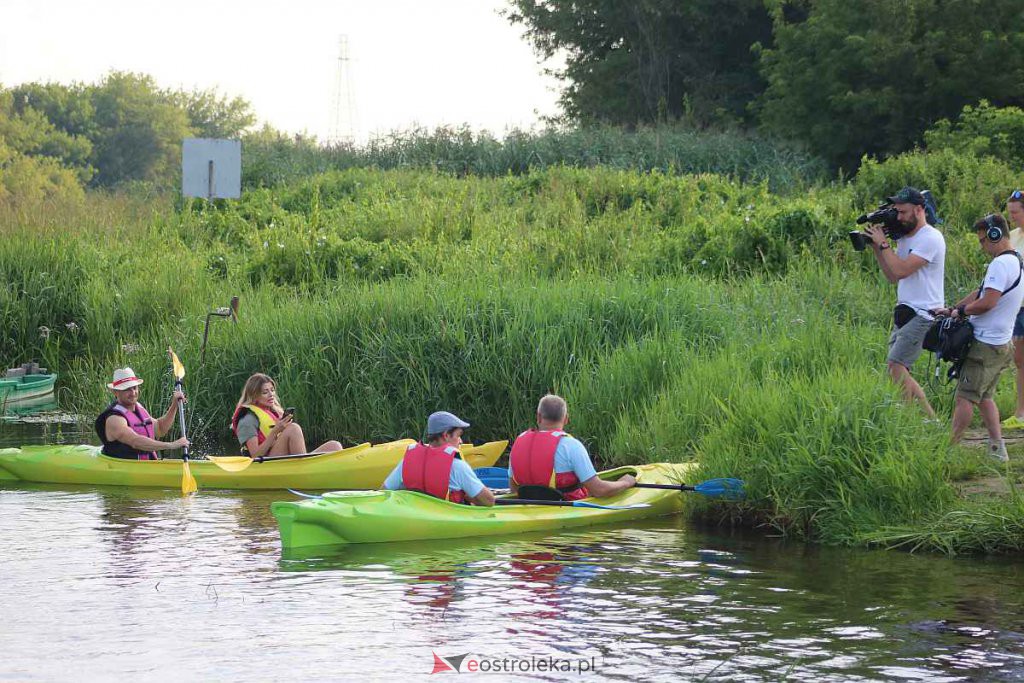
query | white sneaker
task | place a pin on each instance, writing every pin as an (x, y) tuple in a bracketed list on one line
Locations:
[(998, 451)]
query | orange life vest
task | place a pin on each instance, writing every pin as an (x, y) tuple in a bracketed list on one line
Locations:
[(428, 469), (533, 464)]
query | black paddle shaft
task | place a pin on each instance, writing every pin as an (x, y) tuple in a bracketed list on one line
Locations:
[(522, 501), (271, 458), (671, 487)]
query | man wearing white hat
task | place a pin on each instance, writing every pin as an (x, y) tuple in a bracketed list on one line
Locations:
[(126, 428), (436, 468)]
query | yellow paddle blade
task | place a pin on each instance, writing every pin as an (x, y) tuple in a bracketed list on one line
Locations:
[(188, 482), (230, 463), (179, 369)]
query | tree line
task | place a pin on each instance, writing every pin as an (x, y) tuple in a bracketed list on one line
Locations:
[(845, 78), (122, 129), (830, 79)]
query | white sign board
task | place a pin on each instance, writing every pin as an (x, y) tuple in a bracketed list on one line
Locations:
[(211, 169)]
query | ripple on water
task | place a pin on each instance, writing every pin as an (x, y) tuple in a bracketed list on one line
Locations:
[(133, 582)]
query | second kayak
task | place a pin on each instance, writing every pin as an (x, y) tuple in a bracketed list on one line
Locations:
[(389, 516), (359, 467)]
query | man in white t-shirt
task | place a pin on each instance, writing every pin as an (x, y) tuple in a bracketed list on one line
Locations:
[(992, 309), (1015, 213), (918, 268)]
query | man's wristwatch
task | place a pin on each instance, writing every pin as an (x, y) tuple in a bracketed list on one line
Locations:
[(962, 310), (883, 245)]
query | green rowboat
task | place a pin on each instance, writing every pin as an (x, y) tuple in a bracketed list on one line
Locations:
[(14, 390)]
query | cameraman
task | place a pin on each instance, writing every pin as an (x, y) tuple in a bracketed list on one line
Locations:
[(917, 267), (993, 310)]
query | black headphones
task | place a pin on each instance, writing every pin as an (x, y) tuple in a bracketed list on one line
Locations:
[(994, 232)]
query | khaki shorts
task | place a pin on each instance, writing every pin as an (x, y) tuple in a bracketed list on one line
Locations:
[(980, 372)]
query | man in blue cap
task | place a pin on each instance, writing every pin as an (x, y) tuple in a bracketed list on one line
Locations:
[(436, 468)]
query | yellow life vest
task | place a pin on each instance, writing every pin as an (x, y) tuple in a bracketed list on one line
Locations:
[(267, 420)]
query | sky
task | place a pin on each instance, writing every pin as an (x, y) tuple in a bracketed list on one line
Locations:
[(424, 63)]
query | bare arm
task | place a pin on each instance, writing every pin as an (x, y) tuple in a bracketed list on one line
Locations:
[(166, 421), (118, 430), (893, 267), (257, 449), (963, 302), (599, 488), (987, 302), (485, 498), (896, 268), (977, 306)]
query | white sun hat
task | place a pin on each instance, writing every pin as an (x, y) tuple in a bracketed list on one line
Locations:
[(124, 378)]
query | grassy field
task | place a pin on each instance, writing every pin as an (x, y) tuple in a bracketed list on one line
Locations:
[(684, 316)]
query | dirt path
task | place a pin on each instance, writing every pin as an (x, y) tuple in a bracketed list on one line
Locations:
[(979, 437), (994, 485)]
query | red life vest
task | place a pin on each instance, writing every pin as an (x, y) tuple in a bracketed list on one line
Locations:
[(428, 469), (139, 421), (533, 464)]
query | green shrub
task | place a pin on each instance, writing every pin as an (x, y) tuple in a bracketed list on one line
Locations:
[(965, 186), (983, 131)]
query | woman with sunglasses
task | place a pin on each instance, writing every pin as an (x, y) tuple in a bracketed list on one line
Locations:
[(1015, 212)]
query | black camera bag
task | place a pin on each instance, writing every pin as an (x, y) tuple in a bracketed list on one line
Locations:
[(950, 339)]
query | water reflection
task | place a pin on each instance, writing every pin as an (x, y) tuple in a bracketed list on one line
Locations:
[(29, 406), (97, 572)]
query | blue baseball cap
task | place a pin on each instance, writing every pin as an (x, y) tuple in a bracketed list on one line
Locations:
[(443, 421)]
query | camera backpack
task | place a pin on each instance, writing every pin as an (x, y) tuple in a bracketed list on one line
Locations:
[(950, 340)]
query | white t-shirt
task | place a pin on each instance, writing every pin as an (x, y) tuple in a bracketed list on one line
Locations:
[(995, 326), (923, 290), (1017, 240)]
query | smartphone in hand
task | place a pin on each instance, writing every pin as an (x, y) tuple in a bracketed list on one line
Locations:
[(289, 411)]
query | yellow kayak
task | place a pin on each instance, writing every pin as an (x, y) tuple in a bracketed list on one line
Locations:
[(359, 467)]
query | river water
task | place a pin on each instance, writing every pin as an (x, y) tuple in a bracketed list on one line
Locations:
[(142, 584)]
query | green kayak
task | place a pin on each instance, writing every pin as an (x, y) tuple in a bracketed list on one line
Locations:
[(358, 467), (390, 516)]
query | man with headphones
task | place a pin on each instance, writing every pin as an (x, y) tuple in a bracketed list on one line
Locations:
[(992, 310), (917, 267)]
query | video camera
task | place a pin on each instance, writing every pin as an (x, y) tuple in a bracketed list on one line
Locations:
[(887, 216)]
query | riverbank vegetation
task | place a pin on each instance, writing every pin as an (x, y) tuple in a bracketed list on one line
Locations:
[(684, 316)]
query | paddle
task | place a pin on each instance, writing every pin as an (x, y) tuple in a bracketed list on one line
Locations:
[(237, 463), (188, 482), (731, 489), (516, 501), (570, 504)]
